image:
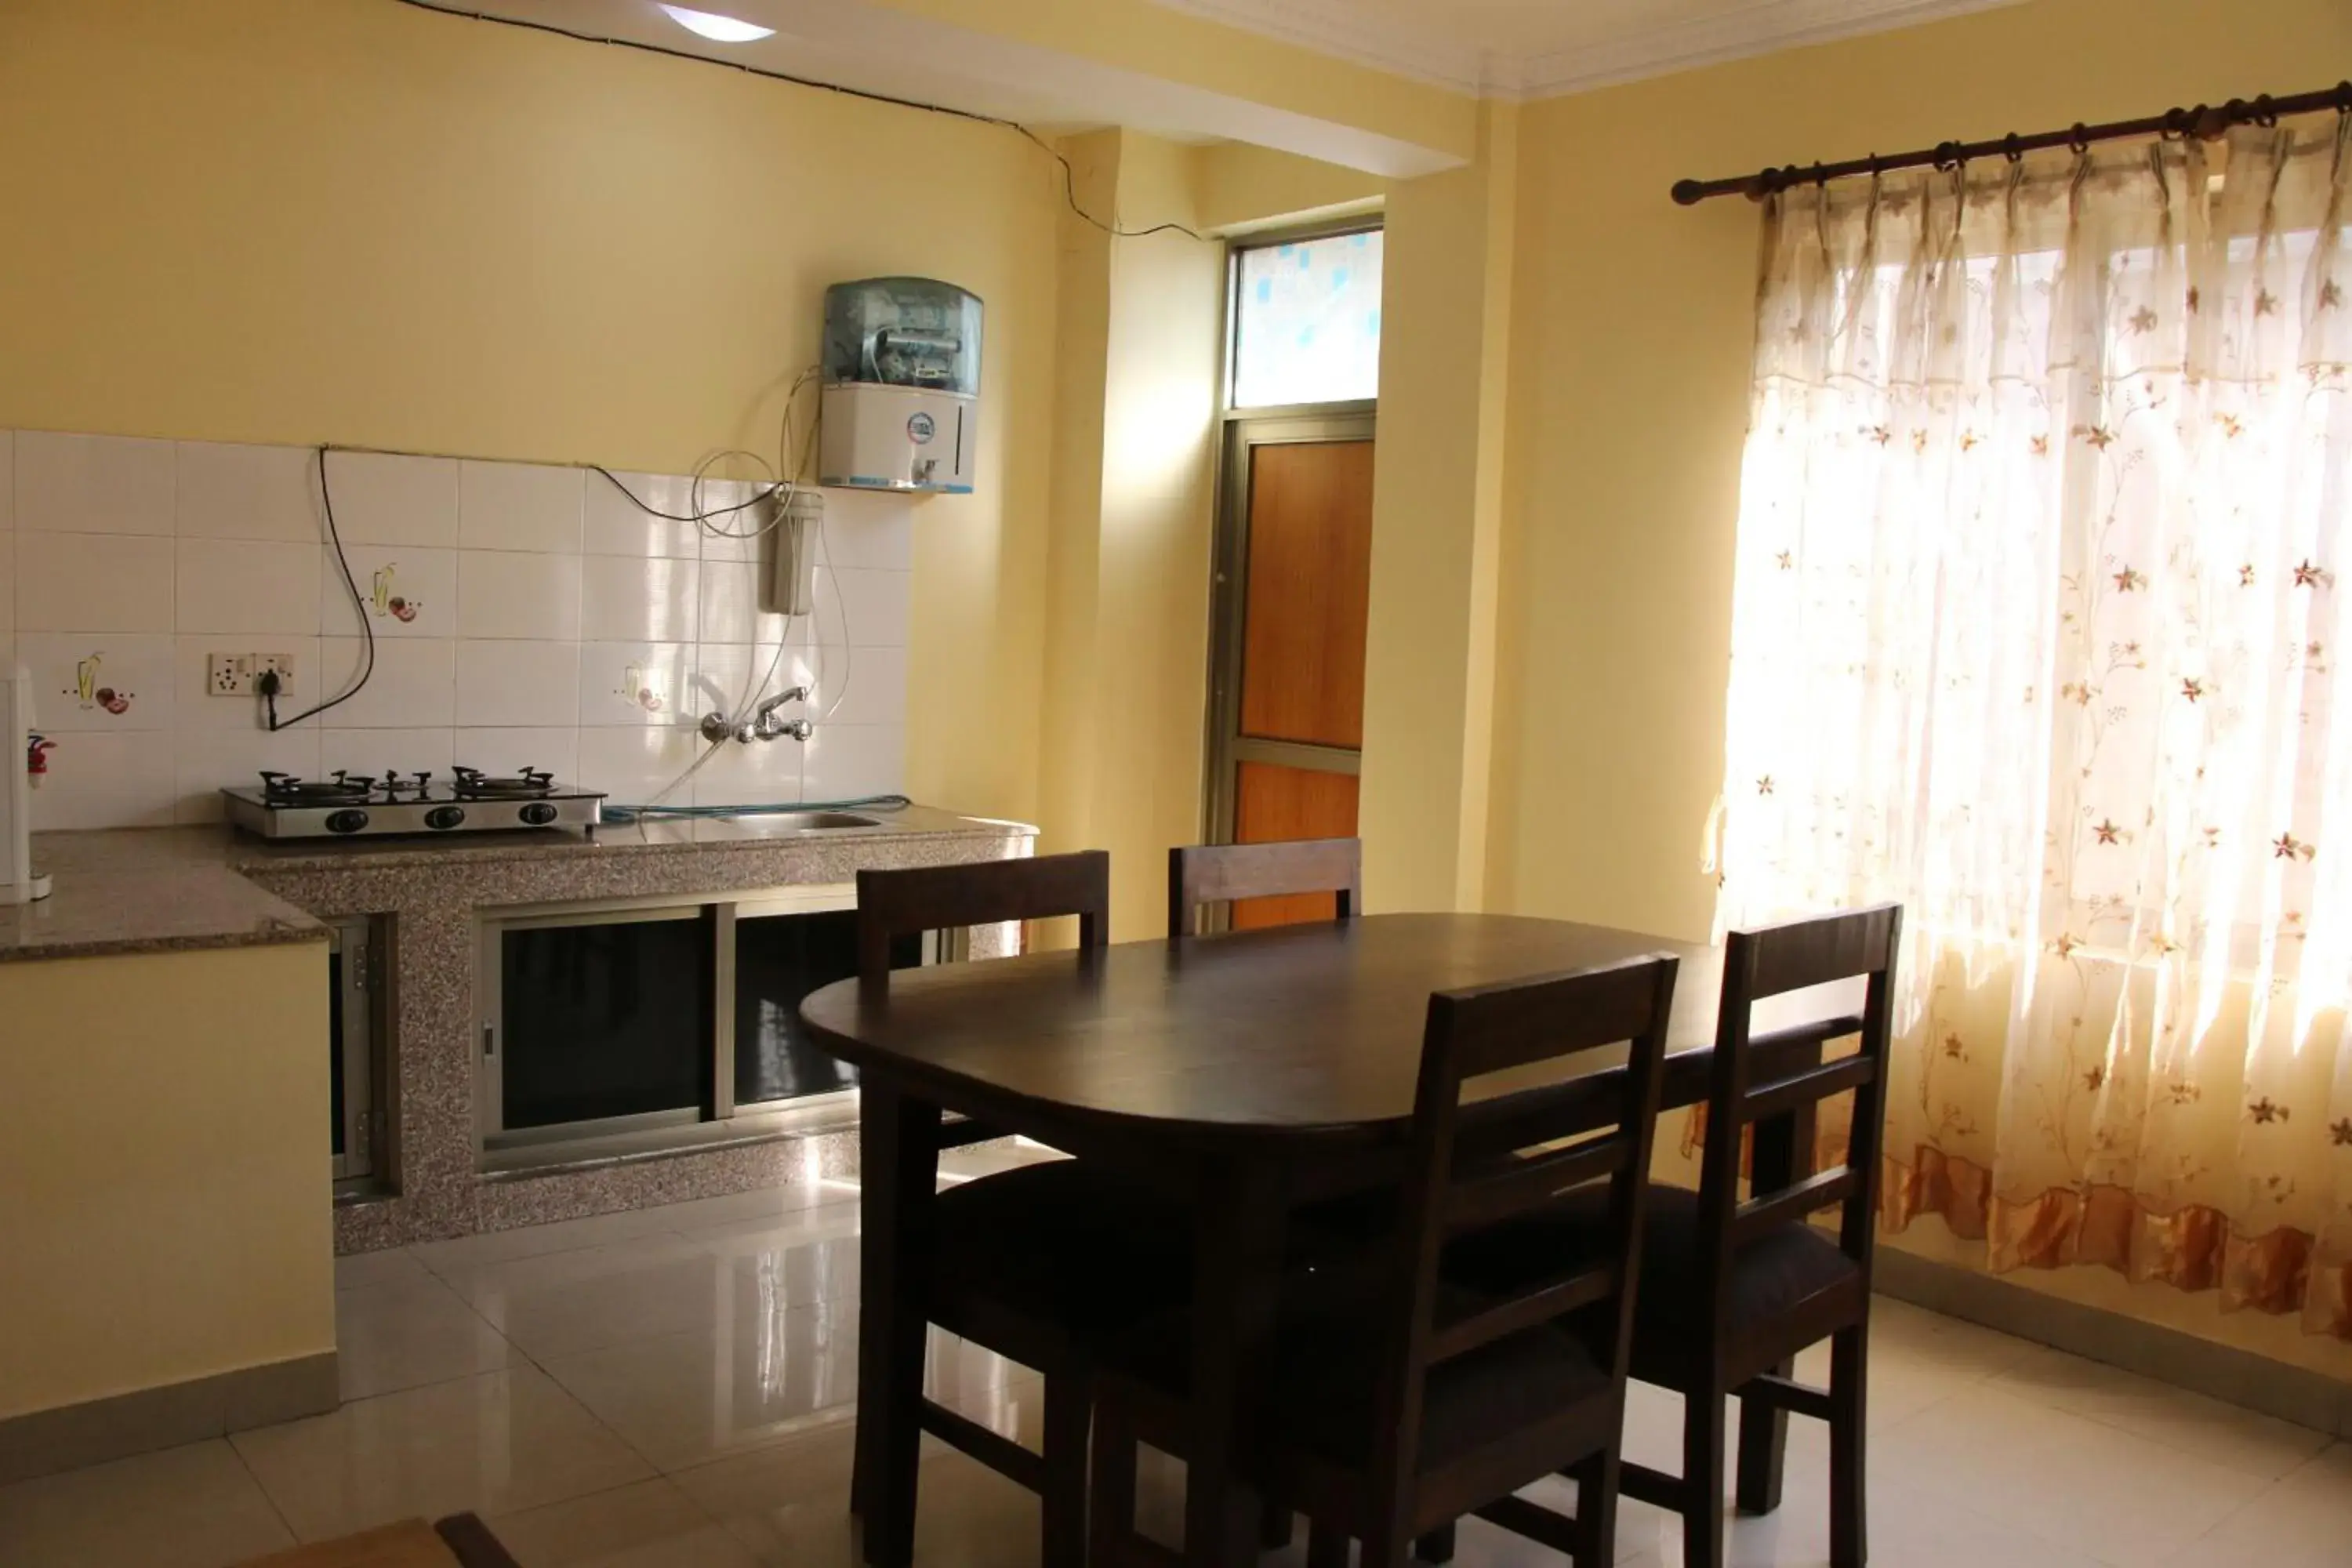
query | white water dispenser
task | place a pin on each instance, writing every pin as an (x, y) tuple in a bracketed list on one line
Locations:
[(20, 883), (902, 385)]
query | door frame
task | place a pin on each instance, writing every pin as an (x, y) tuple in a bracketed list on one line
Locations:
[(1226, 748)]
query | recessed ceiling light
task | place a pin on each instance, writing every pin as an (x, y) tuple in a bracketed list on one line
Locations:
[(716, 28)]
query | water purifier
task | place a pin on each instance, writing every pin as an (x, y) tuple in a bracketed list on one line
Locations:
[(902, 385)]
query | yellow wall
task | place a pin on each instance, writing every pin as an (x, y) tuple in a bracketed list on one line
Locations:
[(164, 1164), (1127, 657), (1237, 187), (1167, 43), (1437, 519), (353, 221), (1633, 322)]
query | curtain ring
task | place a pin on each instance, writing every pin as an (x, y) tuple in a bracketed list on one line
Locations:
[(2264, 115), (1947, 155), (2012, 147), (2079, 137), (1819, 173), (2179, 123), (2344, 99)]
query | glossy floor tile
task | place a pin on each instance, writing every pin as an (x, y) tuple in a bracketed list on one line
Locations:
[(193, 1507), (677, 1387)]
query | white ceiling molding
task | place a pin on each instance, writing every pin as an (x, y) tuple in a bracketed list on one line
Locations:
[(1589, 53), (1343, 31), (1741, 34)]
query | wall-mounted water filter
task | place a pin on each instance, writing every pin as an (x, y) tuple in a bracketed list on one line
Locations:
[(902, 385), (792, 590)]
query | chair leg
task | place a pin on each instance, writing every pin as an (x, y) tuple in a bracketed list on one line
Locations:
[(1702, 1424), (1069, 1401), (1437, 1546), (1385, 1546), (1110, 1514), (1596, 1510), (1763, 1444), (1327, 1545), (1849, 1501)]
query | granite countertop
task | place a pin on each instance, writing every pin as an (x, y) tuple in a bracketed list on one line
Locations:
[(154, 890)]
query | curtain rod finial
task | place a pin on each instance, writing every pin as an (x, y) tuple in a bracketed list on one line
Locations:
[(1689, 193)]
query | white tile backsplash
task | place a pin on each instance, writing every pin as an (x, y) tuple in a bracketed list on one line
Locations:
[(261, 587), (511, 682), (523, 615), (634, 764), (613, 524), (623, 599), (383, 497), (636, 683), (108, 780), (209, 761), (848, 761), (732, 592), (762, 773), (869, 528), (195, 708), (412, 686), (99, 682), (406, 591), (507, 750), (859, 685), (92, 582), (517, 593), (248, 492), (93, 484), (378, 751), (519, 506)]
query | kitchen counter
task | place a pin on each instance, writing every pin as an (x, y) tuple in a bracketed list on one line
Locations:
[(156, 889), (159, 890)]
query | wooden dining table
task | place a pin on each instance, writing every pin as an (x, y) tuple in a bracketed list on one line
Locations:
[(1246, 1074)]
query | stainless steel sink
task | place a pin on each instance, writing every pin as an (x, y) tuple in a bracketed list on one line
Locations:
[(812, 821)]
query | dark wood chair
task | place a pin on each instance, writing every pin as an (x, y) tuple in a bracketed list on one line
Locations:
[(1732, 1289), (1394, 1411), (1204, 874), (1041, 1263)]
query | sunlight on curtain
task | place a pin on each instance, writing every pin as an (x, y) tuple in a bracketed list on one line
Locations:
[(2045, 515)]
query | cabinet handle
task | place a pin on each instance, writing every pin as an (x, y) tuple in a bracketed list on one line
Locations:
[(490, 1034)]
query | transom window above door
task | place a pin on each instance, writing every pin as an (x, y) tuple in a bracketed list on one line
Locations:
[(1306, 321)]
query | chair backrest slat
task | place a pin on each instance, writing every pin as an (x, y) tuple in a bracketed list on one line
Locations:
[(1531, 1307), (1200, 874), (1501, 1188), (1823, 1189), (1473, 1033), (1807, 1087), (1776, 1082), (892, 904)]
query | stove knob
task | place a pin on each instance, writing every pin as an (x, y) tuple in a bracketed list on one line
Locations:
[(445, 817), (538, 814), (346, 821)]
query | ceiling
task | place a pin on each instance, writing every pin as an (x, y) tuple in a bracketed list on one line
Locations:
[(1541, 48), (872, 47)]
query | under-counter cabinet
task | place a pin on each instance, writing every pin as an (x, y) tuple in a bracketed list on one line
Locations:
[(629, 1027)]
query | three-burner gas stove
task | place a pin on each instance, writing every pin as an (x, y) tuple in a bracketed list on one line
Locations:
[(471, 801)]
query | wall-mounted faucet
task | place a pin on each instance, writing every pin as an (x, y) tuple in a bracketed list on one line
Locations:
[(763, 724)]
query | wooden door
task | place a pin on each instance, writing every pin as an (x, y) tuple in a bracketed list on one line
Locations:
[(1295, 579)]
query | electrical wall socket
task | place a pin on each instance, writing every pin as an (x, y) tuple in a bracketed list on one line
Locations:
[(238, 674)]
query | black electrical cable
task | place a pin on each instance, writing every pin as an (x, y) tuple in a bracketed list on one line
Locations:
[(367, 628), (652, 510), (1069, 175)]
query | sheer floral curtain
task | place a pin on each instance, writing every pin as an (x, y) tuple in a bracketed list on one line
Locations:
[(2044, 539)]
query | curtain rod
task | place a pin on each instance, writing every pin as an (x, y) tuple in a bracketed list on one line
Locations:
[(2203, 122)]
